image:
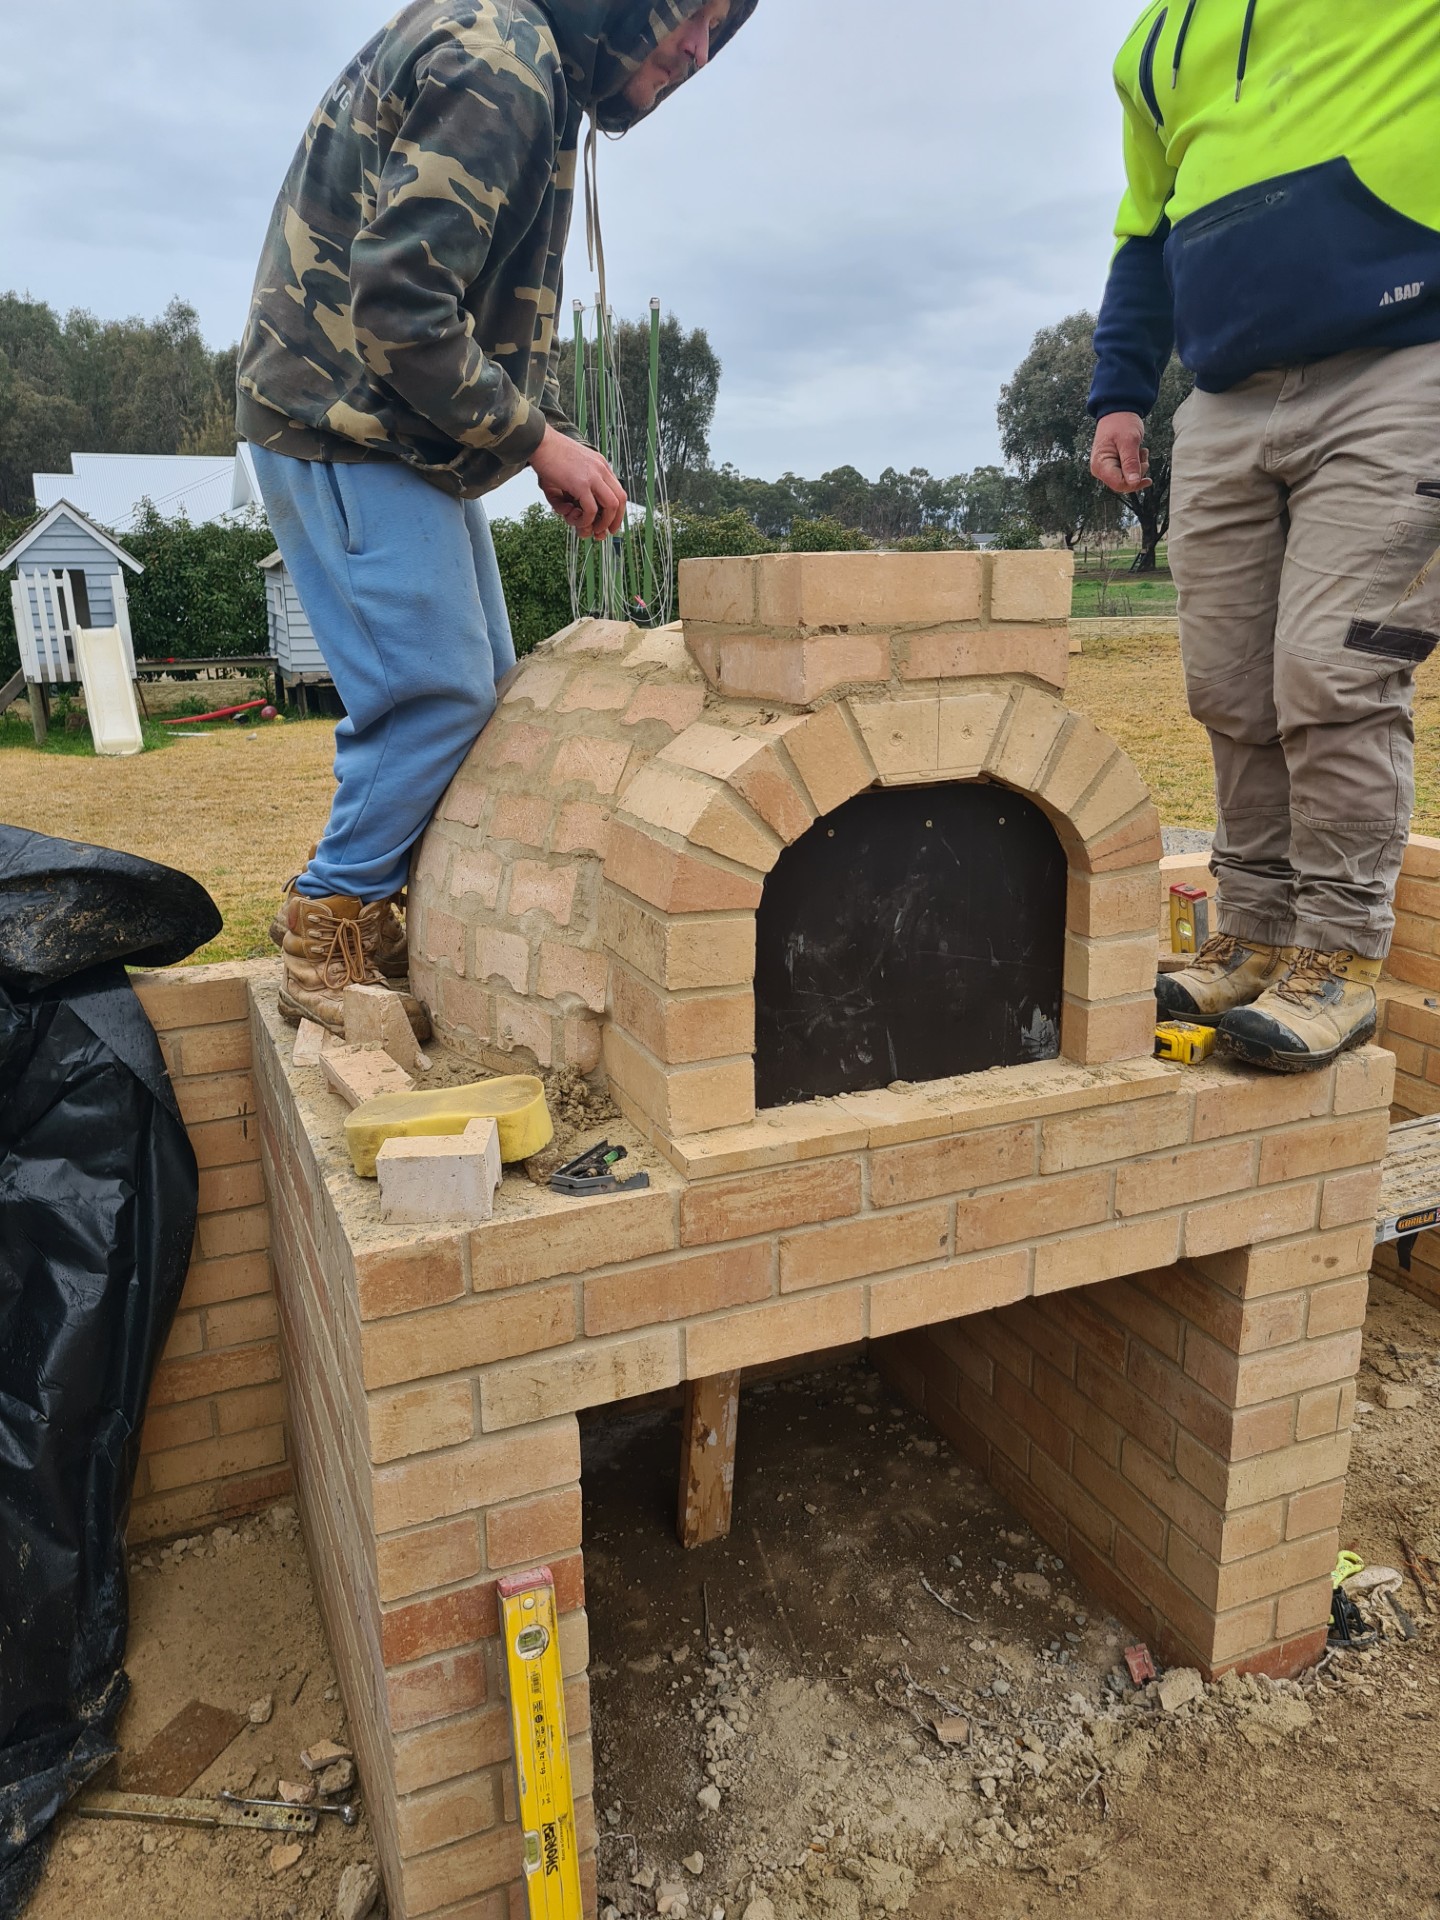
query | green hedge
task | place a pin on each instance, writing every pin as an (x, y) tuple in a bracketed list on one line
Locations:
[(202, 594)]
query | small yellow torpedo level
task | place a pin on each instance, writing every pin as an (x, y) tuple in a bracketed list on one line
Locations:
[(542, 1749)]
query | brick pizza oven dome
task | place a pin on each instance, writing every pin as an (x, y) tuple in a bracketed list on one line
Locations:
[(587, 895)]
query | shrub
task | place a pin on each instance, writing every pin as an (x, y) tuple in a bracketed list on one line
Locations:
[(534, 557), (825, 535), (202, 594)]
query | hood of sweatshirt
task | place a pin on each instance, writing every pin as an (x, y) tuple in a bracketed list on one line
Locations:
[(604, 43)]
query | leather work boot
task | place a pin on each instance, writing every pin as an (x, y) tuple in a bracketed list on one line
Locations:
[(1227, 973), (329, 945), (1324, 1005), (392, 946)]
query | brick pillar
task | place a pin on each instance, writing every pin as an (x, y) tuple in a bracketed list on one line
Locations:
[(411, 1517), (1180, 1438), (448, 1525)]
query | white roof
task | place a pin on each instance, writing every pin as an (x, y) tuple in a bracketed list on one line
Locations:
[(64, 510), (110, 486)]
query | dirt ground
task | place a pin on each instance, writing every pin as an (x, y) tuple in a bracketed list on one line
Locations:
[(230, 1620), (800, 1668), (1066, 1790)]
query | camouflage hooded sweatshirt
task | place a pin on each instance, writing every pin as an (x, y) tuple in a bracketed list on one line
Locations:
[(406, 302)]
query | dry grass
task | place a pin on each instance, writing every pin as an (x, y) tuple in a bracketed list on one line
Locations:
[(240, 814), (1133, 688)]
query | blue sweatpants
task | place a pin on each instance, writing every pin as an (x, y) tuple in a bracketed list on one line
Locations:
[(399, 583)]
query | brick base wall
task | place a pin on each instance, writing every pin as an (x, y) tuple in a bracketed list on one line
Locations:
[(213, 1443), (1181, 1438)]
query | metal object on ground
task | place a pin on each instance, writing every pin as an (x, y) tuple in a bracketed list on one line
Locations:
[(1184, 1041), (593, 1172), (346, 1812), (1189, 919), (530, 1627), (225, 1811)]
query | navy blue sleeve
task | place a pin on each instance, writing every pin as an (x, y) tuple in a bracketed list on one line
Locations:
[(1135, 335)]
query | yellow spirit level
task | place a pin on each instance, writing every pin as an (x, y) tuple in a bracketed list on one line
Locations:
[(1184, 1041), (1189, 919), (530, 1628)]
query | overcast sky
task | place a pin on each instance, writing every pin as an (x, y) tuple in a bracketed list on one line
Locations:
[(870, 204)]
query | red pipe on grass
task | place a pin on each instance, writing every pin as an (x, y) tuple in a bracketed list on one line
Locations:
[(220, 713)]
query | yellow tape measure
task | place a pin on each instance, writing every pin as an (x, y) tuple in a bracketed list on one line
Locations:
[(530, 1627), (1184, 1040)]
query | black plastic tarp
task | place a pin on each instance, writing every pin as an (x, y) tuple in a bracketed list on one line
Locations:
[(97, 1213)]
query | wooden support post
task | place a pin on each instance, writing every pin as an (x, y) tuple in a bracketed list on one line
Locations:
[(39, 710), (707, 1458)]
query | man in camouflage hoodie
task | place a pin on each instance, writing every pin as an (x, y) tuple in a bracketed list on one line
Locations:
[(399, 362)]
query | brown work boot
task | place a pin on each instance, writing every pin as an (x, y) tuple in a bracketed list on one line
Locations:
[(1226, 973), (329, 945), (1323, 1006), (392, 947)]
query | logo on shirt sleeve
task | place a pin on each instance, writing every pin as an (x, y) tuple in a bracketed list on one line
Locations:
[(1411, 290)]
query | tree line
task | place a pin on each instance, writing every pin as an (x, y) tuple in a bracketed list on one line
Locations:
[(76, 383)]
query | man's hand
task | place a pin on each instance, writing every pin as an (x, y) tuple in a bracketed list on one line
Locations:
[(579, 485), (1120, 459)]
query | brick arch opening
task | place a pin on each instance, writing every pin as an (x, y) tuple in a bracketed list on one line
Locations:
[(913, 934)]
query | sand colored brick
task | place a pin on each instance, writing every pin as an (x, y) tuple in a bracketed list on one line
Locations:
[(959, 1287), (1031, 586), (735, 1209), (675, 1289), (591, 1375), (777, 1332), (409, 1274), (950, 653), (453, 1177), (374, 1017), (823, 1256), (471, 1333), (420, 1419), (830, 758), (357, 1074), (991, 1157), (683, 1030)]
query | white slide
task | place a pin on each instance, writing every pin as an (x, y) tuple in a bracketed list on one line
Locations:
[(109, 694)]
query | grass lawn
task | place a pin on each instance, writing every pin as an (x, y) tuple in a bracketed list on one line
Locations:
[(1124, 595), (241, 814), (1134, 689)]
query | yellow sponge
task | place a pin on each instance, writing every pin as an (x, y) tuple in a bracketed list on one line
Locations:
[(516, 1104)]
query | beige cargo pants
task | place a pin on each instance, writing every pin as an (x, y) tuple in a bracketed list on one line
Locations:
[(1304, 503)]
